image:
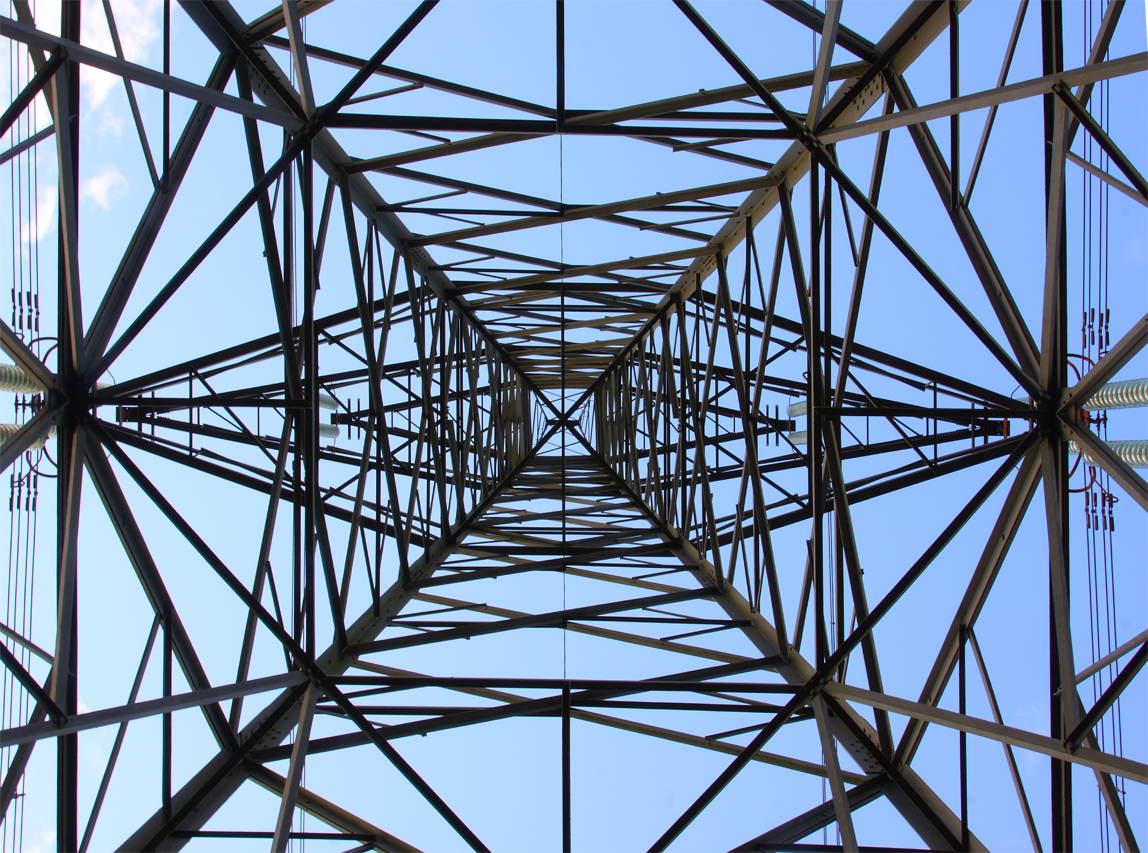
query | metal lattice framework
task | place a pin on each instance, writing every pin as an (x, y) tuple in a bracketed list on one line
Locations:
[(599, 447)]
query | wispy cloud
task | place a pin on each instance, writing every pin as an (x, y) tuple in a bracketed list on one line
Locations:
[(45, 841), (33, 230), (99, 188), (48, 16), (109, 122), (138, 25)]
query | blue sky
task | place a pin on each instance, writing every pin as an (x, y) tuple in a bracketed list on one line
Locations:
[(618, 54)]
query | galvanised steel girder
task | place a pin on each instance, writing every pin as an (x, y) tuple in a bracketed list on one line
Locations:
[(932, 819)]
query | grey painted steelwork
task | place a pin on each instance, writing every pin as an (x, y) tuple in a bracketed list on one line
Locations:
[(618, 422), (1129, 394)]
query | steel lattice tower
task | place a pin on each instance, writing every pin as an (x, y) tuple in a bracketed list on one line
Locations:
[(766, 469)]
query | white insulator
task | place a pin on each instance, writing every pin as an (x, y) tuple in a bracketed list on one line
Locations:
[(799, 438), (796, 410), (13, 378), (326, 401), (330, 431), (1135, 452), (9, 430), (1129, 394)]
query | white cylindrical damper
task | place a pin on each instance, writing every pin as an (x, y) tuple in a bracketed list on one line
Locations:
[(328, 431), (796, 410), (9, 430), (1134, 452), (13, 378), (1128, 394)]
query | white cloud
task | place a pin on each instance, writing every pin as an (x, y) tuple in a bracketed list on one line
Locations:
[(35, 230), (99, 187), (109, 123), (45, 842), (18, 62), (43, 114), (138, 24), (48, 16)]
